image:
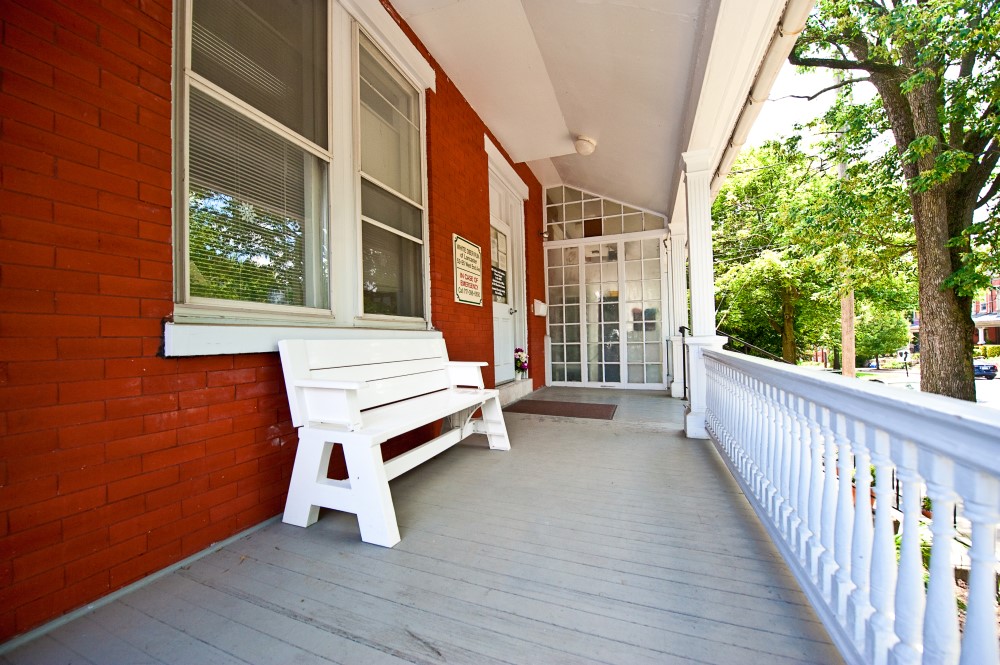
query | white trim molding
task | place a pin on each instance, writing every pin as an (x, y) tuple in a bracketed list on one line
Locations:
[(374, 18), (214, 340), (503, 168)]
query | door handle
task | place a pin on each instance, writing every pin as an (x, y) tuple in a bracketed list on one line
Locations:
[(513, 311)]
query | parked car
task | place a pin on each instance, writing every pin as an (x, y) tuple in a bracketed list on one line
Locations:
[(986, 369)]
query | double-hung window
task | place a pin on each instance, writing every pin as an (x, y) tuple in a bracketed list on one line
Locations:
[(266, 233), (391, 187)]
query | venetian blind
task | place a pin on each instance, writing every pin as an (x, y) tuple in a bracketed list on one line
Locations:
[(269, 54)]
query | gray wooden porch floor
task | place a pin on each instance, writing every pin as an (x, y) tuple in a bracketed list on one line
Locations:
[(589, 542)]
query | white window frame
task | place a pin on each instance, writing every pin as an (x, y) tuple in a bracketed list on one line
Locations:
[(363, 318), (201, 326)]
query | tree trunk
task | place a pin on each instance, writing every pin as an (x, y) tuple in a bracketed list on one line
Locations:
[(945, 318), (946, 326), (788, 353)]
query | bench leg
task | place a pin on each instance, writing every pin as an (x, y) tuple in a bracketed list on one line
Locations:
[(370, 489), (312, 460), (496, 429)]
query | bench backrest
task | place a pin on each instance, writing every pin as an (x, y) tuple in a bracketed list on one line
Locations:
[(393, 369)]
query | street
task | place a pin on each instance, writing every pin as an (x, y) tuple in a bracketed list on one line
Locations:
[(987, 392)]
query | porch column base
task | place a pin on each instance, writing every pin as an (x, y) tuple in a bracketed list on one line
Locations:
[(694, 416), (677, 355)]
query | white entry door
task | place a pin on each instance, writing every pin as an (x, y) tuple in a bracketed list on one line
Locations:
[(502, 215)]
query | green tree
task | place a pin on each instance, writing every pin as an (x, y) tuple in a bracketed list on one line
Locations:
[(880, 332), (934, 65), (790, 238), (239, 251), (760, 282)]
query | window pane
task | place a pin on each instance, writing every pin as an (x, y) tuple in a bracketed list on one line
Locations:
[(381, 206), (392, 273), (272, 55), (390, 124), (256, 212)]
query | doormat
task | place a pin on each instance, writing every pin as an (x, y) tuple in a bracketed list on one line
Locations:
[(543, 407)]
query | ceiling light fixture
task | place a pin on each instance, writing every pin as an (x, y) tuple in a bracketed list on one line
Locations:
[(585, 145)]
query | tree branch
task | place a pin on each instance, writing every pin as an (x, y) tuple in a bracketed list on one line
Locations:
[(826, 89), (976, 143), (834, 63), (994, 188)]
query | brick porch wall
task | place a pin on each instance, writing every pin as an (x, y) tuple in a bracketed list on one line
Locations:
[(117, 462)]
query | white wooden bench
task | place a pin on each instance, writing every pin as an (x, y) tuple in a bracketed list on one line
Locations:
[(359, 393)]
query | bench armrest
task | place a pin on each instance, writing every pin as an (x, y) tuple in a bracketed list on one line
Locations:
[(334, 402), (463, 373)]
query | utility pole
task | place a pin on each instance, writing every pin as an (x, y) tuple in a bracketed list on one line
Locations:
[(847, 354), (848, 362)]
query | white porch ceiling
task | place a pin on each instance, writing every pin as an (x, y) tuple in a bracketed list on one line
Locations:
[(628, 73)]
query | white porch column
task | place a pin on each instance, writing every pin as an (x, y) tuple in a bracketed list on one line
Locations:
[(698, 179), (982, 335), (678, 300)]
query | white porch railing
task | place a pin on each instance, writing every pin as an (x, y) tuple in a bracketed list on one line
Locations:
[(802, 445)]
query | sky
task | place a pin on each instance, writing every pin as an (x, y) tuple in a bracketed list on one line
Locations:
[(781, 112)]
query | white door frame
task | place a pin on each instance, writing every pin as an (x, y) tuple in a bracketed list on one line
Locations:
[(505, 175)]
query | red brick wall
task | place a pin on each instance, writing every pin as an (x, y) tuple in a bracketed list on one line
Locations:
[(117, 462), (458, 184)]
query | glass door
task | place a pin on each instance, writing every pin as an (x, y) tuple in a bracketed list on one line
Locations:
[(605, 313), (603, 326)]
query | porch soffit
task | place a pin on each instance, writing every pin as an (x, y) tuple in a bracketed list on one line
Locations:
[(648, 79)]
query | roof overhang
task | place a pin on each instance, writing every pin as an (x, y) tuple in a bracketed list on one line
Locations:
[(648, 79)]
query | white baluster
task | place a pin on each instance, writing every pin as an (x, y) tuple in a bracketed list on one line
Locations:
[(941, 643), (744, 402), (828, 520), (793, 441), (787, 446), (803, 477), (817, 443), (741, 405), (734, 417), (773, 437), (845, 517), (880, 637), (755, 431), (859, 607), (780, 457), (979, 643), (910, 597)]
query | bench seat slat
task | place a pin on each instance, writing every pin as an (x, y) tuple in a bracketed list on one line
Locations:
[(385, 422), (375, 371), (344, 353), (398, 388)]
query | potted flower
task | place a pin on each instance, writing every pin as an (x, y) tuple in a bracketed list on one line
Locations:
[(521, 361)]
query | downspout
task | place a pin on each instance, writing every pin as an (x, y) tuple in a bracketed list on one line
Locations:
[(793, 21)]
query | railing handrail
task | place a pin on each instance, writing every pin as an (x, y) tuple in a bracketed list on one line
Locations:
[(961, 430)]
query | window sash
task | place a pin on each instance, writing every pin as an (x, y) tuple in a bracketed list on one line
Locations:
[(334, 271), (390, 195)]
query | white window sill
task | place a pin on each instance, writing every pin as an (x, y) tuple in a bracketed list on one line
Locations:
[(205, 339)]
